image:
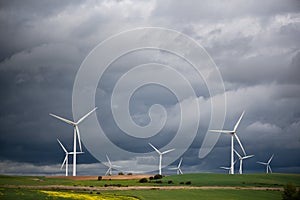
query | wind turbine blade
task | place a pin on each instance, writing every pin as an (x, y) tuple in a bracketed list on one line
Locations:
[(237, 154), (180, 163), (262, 163), (62, 146), (221, 131), (270, 169), (237, 138), (155, 148), (180, 171), (85, 116), (250, 156), (107, 171), (76, 152), (238, 122), (225, 168), (62, 165), (167, 151), (173, 168), (270, 159), (108, 160), (78, 136), (62, 119)]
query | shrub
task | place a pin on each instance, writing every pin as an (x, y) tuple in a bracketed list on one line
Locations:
[(151, 178), (143, 180), (290, 192), (181, 183), (157, 176), (99, 178), (121, 173), (159, 181), (170, 182), (129, 174), (188, 183)]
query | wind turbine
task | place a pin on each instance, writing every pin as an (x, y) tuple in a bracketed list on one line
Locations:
[(233, 134), (268, 167), (66, 157), (178, 167), (160, 156), (228, 168), (76, 131), (109, 171), (241, 158)]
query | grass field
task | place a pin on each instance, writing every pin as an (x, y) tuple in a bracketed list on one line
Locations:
[(256, 180), (25, 194), (94, 187)]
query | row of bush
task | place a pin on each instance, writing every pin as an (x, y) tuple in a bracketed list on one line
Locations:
[(156, 179)]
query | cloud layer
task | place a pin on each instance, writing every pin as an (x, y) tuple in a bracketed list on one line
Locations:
[(254, 44)]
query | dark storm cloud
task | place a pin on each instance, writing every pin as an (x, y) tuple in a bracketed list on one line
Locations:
[(254, 43)]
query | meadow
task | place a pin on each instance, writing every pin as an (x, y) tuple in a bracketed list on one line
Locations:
[(14, 187)]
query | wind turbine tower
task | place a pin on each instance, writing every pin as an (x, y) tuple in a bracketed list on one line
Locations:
[(267, 164), (233, 134), (178, 167), (76, 132), (160, 156), (241, 158), (66, 160)]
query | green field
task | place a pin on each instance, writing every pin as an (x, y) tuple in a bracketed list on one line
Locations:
[(256, 180), (222, 180), (26, 194)]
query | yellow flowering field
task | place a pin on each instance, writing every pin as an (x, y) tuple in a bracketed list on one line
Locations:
[(70, 195)]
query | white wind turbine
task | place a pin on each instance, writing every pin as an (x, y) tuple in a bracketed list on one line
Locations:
[(178, 167), (76, 132), (233, 134), (228, 168), (160, 156), (268, 167), (241, 158), (66, 157), (109, 171)]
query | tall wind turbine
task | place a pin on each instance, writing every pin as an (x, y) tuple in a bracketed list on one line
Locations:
[(109, 171), (268, 167), (160, 156), (233, 134), (178, 167), (241, 158), (66, 157), (76, 132)]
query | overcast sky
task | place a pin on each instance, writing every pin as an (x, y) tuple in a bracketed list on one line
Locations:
[(255, 45)]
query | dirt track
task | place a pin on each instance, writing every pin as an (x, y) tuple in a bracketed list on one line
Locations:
[(86, 188)]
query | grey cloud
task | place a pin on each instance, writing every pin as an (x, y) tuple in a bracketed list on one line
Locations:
[(255, 45)]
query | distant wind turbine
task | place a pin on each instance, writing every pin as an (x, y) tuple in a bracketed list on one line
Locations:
[(228, 168), (268, 167), (110, 167), (241, 158), (160, 156), (66, 157), (178, 167), (76, 131), (233, 134)]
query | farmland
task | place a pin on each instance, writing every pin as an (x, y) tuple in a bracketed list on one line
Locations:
[(187, 186)]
